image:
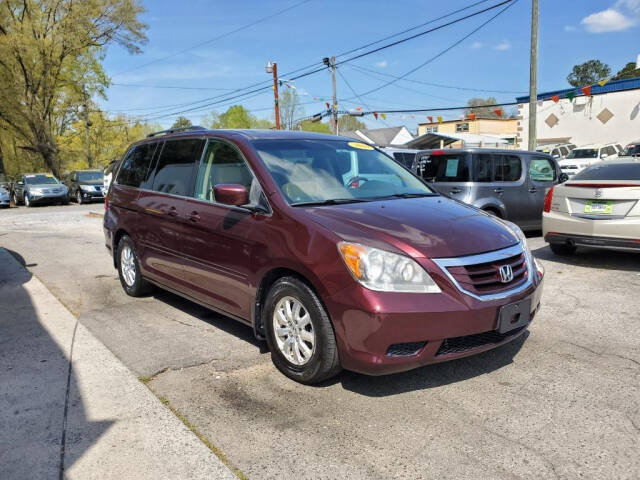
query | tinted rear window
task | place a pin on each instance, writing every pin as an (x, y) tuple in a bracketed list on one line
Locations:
[(135, 166), (445, 168), (176, 166), (490, 167), (404, 158), (610, 171), (584, 153)]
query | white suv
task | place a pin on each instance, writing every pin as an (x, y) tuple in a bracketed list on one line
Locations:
[(557, 150), (585, 156)]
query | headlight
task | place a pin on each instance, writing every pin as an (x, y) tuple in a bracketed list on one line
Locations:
[(88, 188), (385, 271)]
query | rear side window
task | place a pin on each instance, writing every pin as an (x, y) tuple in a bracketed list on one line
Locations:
[(176, 166), (610, 171), (135, 166), (542, 170), (497, 168), (445, 168), (405, 159)]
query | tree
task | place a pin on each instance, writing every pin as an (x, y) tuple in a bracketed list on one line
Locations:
[(290, 109), (628, 71), (588, 73), (50, 53), (236, 116), (320, 127), (182, 122), (348, 122), (480, 106)]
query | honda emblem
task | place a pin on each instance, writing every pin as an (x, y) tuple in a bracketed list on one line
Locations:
[(506, 273)]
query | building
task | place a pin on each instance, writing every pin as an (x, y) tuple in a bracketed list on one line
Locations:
[(381, 137), (610, 114), (480, 131)]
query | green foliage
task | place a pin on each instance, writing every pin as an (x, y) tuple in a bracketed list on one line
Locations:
[(182, 122), (236, 116), (347, 122), (320, 127), (628, 71), (50, 65), (588, 73)]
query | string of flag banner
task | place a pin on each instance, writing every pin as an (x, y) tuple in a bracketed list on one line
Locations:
[(586, 91)]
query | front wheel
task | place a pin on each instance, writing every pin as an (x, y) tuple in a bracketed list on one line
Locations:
[(79, 197), (129, 269), (16, 201), (27, 201), (299, 333)]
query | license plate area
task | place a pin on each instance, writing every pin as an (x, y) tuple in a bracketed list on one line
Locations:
[(514, 315), (598, 207)]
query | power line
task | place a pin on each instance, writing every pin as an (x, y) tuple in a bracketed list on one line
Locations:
[(219, 37), (440, 85), (142, 85), (346, 82)]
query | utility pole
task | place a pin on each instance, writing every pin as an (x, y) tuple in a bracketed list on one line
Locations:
[(273, 68), (331, 63), (87, 138), (533, 77)]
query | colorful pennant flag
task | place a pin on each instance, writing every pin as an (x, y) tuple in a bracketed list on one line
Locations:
[(603, 82), (571, 96), (316, 98), (472, 117), (358, 108), (384, 116), (555, 98), (375, 115), (498, 112), (587, 90), (430, 118), (439, 119), (328, 106)]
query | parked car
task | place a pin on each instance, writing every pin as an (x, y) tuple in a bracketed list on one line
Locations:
[(509, 184), (557, 151), (599, 207), (585, 156), (108, 175), (85, 185), (404, 156), (631, 150), (334, 270), (5, 195), (39, 188)]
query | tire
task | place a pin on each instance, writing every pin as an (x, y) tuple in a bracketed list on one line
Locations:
[(27, 202), (492, 212), (65, 200), (562, 248), (130, 278), (16, 200), (79, 197), (319, 360)]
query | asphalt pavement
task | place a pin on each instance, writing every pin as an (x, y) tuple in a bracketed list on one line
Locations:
[(563, 401)]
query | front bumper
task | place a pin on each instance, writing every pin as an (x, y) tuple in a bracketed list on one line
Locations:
[(92, 195), (46, 198), (394, 332)]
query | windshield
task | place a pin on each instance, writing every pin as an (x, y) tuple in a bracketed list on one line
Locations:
[(631, 150), (89, 177), (40, 179), (583, 153), (326, 171), (610, 171)]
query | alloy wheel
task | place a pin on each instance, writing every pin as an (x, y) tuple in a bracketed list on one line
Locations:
[(293, 331), (78, 197), (128, 265)]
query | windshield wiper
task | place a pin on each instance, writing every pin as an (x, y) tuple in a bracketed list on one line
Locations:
[(330, 201), (408, 195)]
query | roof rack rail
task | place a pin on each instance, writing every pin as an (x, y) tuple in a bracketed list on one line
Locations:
[(176, 130)]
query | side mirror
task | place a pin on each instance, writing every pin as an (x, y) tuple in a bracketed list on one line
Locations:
[(231, 194), (21, 183), (603, 156), (563, 177)]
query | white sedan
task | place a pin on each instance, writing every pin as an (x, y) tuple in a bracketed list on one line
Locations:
[(598, 207)]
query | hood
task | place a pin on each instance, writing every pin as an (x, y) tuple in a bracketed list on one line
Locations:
[(430, 227), (46, 185)]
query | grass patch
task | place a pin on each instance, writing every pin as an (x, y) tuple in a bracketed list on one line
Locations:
[(218, 453)]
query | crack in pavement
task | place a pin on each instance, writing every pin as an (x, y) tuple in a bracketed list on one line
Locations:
[(599, 354)]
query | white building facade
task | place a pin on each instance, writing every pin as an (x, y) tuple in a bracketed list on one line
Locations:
[(611, 114)]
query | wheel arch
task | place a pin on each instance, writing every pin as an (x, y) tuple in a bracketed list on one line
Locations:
[(117, 236)]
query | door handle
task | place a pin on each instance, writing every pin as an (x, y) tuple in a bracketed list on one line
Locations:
[(532, 190), (498, 190), (455, 190), (194, 216), (173, 211)]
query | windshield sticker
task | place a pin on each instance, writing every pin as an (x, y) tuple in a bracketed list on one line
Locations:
[(360, 146), (49, 175), (29, 176), (452, 168)]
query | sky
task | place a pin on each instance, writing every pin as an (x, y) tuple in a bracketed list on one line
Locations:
[(193, 45)]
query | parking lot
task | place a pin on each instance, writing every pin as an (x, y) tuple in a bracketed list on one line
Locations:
[(560, 402)]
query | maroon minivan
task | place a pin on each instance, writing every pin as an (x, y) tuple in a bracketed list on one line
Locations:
[(334, 253)]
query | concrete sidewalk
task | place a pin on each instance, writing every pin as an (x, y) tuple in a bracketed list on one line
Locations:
[(88, 418)]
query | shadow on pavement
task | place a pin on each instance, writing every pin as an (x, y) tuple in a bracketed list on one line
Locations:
[(593, 258), (37, 387)]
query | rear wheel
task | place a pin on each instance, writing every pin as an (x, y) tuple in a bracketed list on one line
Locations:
[(299, 333), (16, 200), (562, 248), (129, 269)]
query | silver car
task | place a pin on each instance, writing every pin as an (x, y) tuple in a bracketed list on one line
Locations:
[(510, 184), (5, 197), (39, 188)]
